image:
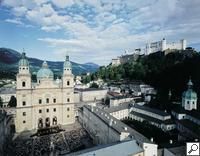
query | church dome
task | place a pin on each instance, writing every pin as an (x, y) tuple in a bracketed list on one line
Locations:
[(23, 61), (189, 94), (45, 72)]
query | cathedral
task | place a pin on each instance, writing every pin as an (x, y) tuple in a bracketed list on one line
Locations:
[(47, 102)]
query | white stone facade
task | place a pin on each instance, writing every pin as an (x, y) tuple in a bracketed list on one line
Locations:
[(46, 103), (163, 45)]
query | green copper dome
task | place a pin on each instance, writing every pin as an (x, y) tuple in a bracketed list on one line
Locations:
[(45, 72), (67, 63), (189, 94), (23, 61)]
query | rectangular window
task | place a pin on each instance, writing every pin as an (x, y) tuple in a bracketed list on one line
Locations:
[(54, 109), (24, 113), (68, 109), (47, 100), (40, 111), (40, 101), (54, 100), (24, 103), (47, 110), (68, 100), (68, 83)]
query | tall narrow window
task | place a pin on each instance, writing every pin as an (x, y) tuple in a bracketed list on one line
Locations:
[(40, 101), (54, 109), (24, 113), (47, 100), (23, 84), (68, 83), (54, 100), (68, 100)]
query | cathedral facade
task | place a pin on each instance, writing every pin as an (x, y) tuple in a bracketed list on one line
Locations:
[(47, 102)]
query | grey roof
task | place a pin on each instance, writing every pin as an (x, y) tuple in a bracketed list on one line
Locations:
[(152, 110), (118, 126), (191, 126), (7, 91), (149, 118), (192, 113), (118, 108), (116, 149), (90, 89), (178, 151)]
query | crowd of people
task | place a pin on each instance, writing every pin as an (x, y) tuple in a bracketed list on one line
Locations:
[(58, 143)]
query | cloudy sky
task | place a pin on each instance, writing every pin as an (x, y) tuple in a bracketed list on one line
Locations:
[(95, 30)]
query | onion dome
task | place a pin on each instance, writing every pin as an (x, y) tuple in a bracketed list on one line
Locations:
[(23, 61), (189, 94), (67, 63), (45, 72)]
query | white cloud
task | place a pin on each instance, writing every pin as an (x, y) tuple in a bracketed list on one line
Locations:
[(102, 28), (63, 3), (15, 21), (51, 28)]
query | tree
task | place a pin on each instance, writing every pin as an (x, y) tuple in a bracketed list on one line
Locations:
[(1, 102), (94, 85), (12, 102)]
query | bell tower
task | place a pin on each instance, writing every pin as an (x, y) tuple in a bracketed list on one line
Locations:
[(68, 78), (23, 76), (189, 97)]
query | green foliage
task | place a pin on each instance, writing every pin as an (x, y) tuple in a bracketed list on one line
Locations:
[(94, 85), (164, 72), (12, 102)]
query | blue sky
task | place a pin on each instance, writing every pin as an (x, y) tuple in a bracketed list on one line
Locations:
[(95, 30)]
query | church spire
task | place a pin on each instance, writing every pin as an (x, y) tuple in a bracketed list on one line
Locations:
[(190, 84)]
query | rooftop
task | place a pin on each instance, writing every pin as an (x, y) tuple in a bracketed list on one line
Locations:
[(148, 118), (117, 125), (152, 110), (119, 149), (191, 126), (90, 89), (118, 108)]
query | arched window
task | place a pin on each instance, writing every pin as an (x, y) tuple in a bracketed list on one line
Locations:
[(40, 123), (23, 84), (55, 121), (68, 83), (47, 123)]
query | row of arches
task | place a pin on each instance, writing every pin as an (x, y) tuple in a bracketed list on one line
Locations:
[(46, 123)]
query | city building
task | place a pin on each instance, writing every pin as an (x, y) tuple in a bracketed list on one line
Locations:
[(106, 129), (163, 45), (187, 116), (121, 111), (92, 94), (189, 98), (126, 148), (115, 61), (155, 117), (45, 103), (6, 94)]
